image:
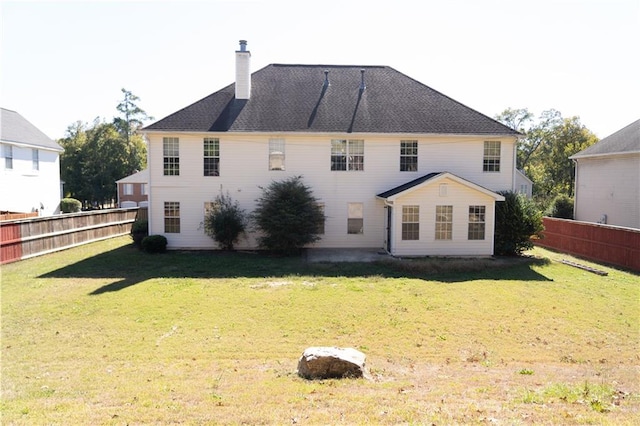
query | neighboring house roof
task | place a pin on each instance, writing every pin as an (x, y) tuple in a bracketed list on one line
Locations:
[(17, 130), (139, 177), (297, 98), (523, 176), (624, 141), (431, 178)]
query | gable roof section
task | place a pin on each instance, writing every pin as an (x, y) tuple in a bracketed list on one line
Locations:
[(430, 179), (294, 98), (139, 177), (624, 141), (15, 129)]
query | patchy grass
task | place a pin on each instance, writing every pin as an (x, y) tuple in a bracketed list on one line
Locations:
[(104, 334)]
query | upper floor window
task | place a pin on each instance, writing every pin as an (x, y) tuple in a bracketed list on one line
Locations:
[(491, 159), (408, 156), (444, 222), (171, 156), (127, 189), (476, 222), (276, 154), (410, 222), (35, 159), (211, 156), (355, 220), (347, 154), (8, 156), (171, 217)]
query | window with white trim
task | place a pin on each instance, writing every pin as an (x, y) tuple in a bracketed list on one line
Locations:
[(476, 222), (408, 156), (35, 159), (171, 156), (171, 217), (444, 222), (211, 148), (410, 222), (347, 155), (276, 154), (491, 159), (8, 156), (143, 189), (355, 221), (127, 189)]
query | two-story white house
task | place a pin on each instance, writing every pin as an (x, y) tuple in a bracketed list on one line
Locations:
[(30, 168), (394, 163)]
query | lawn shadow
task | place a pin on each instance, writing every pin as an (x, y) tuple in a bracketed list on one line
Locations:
[(129, 266)]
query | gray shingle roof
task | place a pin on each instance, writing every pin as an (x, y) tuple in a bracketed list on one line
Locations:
[(624, 140), (15, 128), (293, 98), (408, 185)]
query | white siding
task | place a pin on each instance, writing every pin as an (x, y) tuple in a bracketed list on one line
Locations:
[(23, 189), (609, 186), (244, 167)]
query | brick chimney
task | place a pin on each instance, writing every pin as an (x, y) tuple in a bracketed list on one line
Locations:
[(243, 71)]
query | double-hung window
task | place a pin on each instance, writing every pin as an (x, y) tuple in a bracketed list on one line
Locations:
[(8, 156), (355, 220), (171, 217), (491, 159), (35, 159), (276, 154), (408, 156), (444, 222), (347, 154), (476, 222), (127, 189), (211, 156), (410, 222), (171, 156)]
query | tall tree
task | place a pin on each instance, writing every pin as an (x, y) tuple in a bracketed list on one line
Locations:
[(132, 115)]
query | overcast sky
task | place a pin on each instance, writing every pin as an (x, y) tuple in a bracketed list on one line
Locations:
[(63, 61)]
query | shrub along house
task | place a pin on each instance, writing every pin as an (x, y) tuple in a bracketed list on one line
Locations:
[(393, 163)]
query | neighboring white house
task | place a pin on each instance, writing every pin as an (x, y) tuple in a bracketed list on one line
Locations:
[(607, 188), (30, 170), (524, 185), (132, 190), (393, 163)]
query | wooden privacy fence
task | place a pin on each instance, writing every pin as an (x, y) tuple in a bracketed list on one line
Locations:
[(602, 243), (22, 239)]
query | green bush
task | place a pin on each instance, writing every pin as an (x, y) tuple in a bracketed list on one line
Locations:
[(288, 215), (517, 220), (225, 221), (561, 207), (139, 230), (70, 205), (154, 244)]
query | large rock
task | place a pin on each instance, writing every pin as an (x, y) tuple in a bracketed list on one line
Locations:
[(331, 363)]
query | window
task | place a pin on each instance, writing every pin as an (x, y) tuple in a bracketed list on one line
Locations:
[(211, 156), (8, 156), (410, 222), (143, 189), (408, 156), (347, 154), (524, 189), (127, 189), (443, 189), (171, 153), (355, 222), (276, 154), (476, 222), (444, 222), (491, 160), (320, 229), (171, 217), (35, 159)]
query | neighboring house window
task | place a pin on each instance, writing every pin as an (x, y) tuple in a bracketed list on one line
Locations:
[(8, 156), (355, 221), (347, 154), (408, 156), (410, 222), (143, 189), (476, 222), (211, 157), (127, 189), (171, 153), (444, 222), (276, 154), (171, 217), (524, 189), (35, 159), (320, 229), (491, 160)]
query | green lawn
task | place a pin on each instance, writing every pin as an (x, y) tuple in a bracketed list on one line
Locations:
[(105, 334)]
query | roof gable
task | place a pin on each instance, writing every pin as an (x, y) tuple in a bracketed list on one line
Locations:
[(625, 140), (17, 130), (295, 98), (430, 179)]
